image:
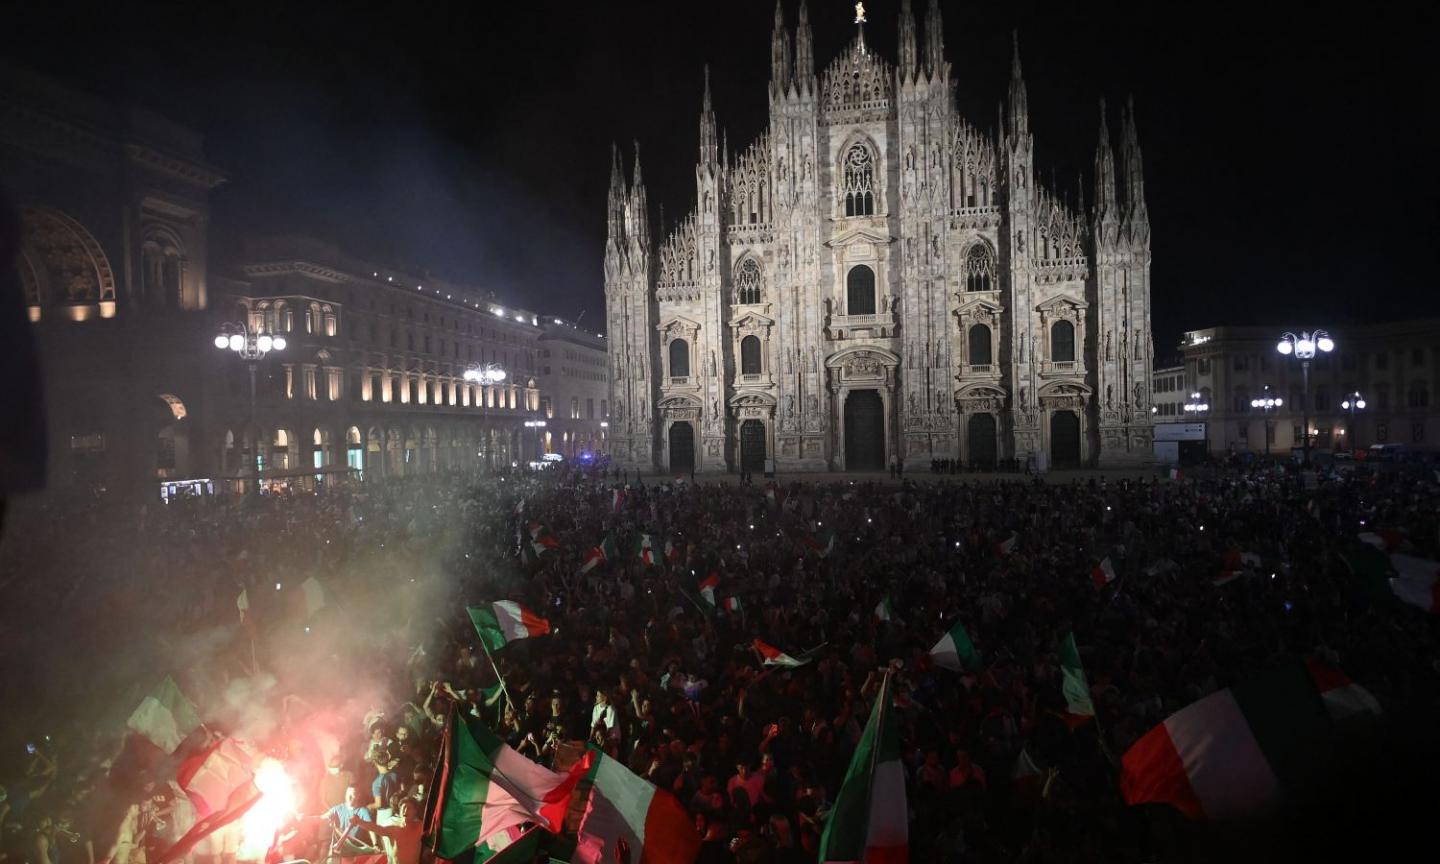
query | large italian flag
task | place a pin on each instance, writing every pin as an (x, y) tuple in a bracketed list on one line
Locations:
[(955, 651), (505, 621), (165, 717), (1240, 751), (628, 819), (869, 820), (483, 789)]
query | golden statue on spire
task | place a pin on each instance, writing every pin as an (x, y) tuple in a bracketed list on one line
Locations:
[(860, 13)]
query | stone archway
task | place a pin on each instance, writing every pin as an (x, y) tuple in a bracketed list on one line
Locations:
[(872, 370), (681, 446), (61, 264), (864, 431)]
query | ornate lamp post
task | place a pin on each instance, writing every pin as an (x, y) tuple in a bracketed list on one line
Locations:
[(250, 346), (486, 373), (1195, 408), (1354, 402), (1267, 403), (1303, 347)]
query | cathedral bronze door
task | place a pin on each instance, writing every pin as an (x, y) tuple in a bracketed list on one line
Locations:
[(682, 447), (864, 431), (980, 436), (752, 445), (1065, 439)]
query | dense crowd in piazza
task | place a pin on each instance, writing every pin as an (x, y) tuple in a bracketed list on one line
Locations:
[(355, 693)]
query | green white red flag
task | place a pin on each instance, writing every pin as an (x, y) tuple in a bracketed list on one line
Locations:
[(822, 543), (483, 789), (955, 651), (708, 586), (165, 716), (647, 550), (602, 554), (1078, 706), (884, 611), (628, 819), (1006, 546), (1103, 574), (870, 821), (1238, 752), (505, 621), (772, 656), (732, 604), (617, 500)]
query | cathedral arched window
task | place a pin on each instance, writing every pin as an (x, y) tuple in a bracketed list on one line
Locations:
[(679, 358), (979, 339), (748, 283), (979, 269), (1062, 342), (750, 355), (860, 291), (858, 179)]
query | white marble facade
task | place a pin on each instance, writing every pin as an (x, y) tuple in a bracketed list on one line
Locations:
[(875, 278)]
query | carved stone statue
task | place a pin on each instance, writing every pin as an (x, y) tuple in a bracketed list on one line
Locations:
[(884, 304), (810, 366), (1109, 396), (1139, 346), (710, 265), (935, 247), (789, 405), (805, 167), (1107, 346), (914, 404)]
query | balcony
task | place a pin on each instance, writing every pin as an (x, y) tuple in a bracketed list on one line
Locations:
[(881, 325), (1059, 368)]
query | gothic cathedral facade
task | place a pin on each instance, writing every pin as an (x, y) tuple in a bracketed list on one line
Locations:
[(877, 279)]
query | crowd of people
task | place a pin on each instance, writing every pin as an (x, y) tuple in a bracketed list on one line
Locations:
[(638, 662)]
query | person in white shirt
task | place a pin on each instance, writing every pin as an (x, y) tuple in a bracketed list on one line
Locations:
[(603, 712)]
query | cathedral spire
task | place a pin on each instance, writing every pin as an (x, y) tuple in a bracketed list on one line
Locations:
[(639, 211), (615, 216), (1104, 173), (908, 63), (1134, 168), (779, 54), (934, 40), (707, 125), (1019, 101), (804, 51)]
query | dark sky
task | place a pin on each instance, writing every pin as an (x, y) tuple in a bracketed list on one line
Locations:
[(1289, 152)]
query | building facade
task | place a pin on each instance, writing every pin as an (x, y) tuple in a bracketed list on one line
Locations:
[(876, 278), (1170, 394), (373, 378), (1394, 367), (126, 302), (575, 389)]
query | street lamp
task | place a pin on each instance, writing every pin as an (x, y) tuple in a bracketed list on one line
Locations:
[(250, 346), (1304, 347), (487, 373), (1354, 402), (1194, 408), (1267, 403), (537, 425)]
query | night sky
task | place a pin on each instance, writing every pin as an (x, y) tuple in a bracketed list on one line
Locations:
[(1289, 154)]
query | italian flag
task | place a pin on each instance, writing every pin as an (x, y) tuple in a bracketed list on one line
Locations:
[(165, 717), (209, 777), (1078, 707), (955, 651), (1005, 547), (483, 789), (617, 500), (672, 552), (542, 544), (732, 604), (772, 656), (1417, 582), (708, 586), (820, 544), (869, 822), (647, 550), (884, 611), (1176, 474), (1103, 574), (774, 496), (601, 554), (505, 621), (1241, 750), (628, 819)]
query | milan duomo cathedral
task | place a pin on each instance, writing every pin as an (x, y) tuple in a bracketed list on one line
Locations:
[(875, 279)]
